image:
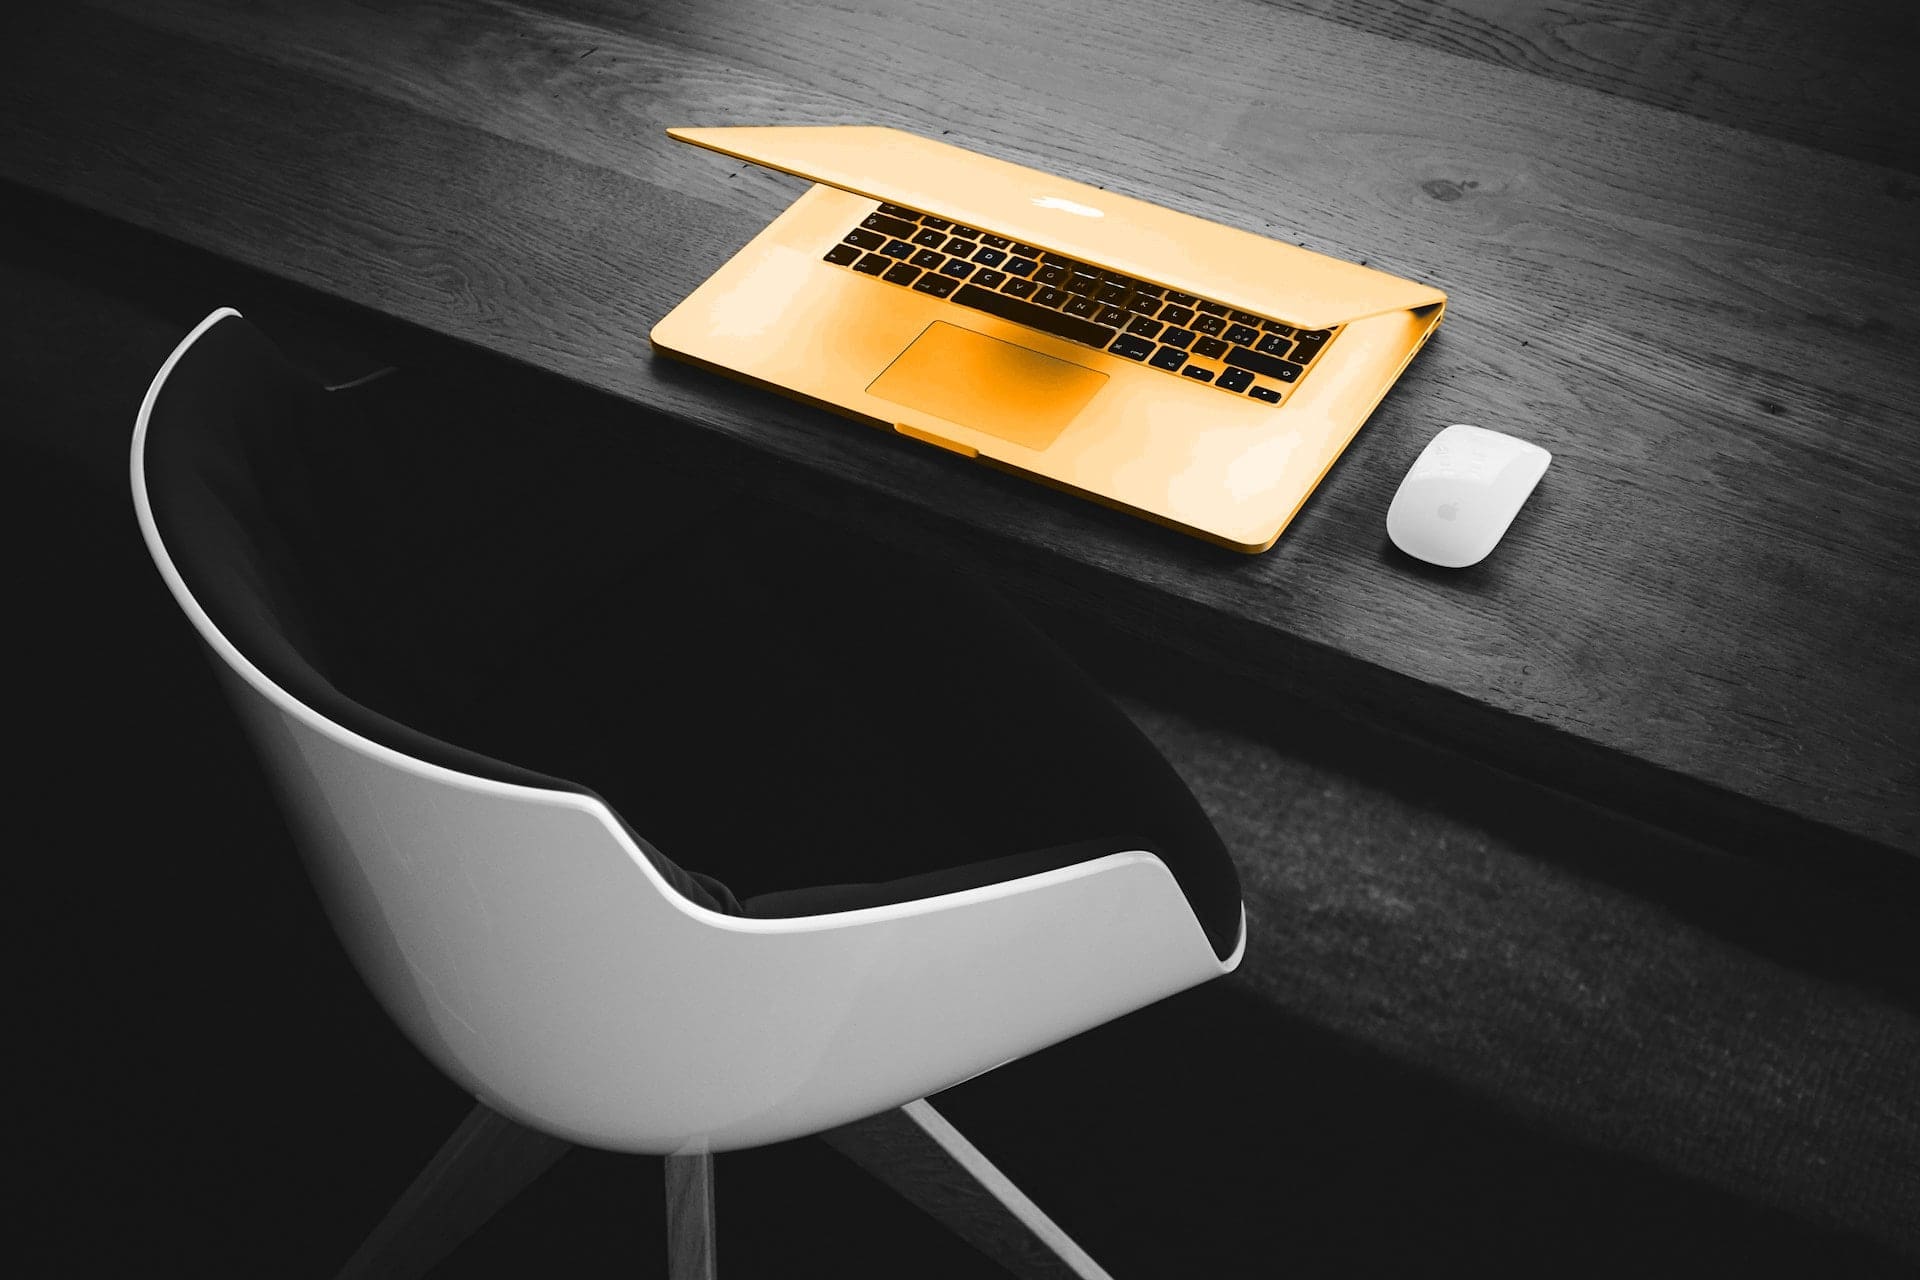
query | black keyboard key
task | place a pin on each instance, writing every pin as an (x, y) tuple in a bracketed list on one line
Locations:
[(1078, 306), (865, 239), (1268, 394), (927, 259), (1240, 334), (901, 273), (1112, 291), (1020, 266), (1181, 299), (842, 254), (1198, 371), (1072, 328), (1245, 318), (1019, 288), (1131, 347), (968, 232), (957, 269), (960, 248), (1145, 305), (1052, 273), (1284, 370), (1082, 282), (1114, 315), (989, 279), (1212, 308), (1181, 338), (989, 257), (1274, 326), (936, 284), (872, 265), (1234, 379), (897, 212), (1151, 290), (1212, 348), (1144, 327), (930, 238), (1308, 345), (898, 249), (1174, 313), (1168, 358), (1025, 250), (1058, 260), (938, 224), (898, 228), (1209, 324), (1274, 345), (1051, 297), (996, 242)]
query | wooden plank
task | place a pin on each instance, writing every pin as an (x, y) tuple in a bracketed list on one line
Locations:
[(691, 1254), (1835, 77), (1705, 607), (1414, 919)]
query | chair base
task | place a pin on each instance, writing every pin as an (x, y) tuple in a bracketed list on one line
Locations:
[(490, 1159), (486, 1163), (917, 1153)]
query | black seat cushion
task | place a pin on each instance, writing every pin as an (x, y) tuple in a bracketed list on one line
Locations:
[(284, 507), (812, 721)]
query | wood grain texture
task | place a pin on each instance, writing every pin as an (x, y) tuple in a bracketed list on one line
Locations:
[(1706, 1018), (1703, 613), (691, 1254), (1834, 77)]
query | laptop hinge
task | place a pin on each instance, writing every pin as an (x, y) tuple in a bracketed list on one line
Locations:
[(938, 442)]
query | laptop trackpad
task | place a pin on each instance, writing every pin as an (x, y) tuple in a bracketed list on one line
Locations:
[(1001, 388)]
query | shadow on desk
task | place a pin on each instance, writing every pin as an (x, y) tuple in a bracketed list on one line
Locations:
[(218, 1095)]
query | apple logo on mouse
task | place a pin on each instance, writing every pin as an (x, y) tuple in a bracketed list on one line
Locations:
[(1449, 511), (1068, 206)]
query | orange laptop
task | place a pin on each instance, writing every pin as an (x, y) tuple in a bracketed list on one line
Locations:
[(1198, 375)]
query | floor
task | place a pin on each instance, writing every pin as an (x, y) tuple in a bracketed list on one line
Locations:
[(1478, 1025)]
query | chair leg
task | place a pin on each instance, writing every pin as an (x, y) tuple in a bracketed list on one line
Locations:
[(486, 1163), (917, 1153), (690, 1252)]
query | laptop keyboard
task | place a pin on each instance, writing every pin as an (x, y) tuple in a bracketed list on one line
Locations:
[(1185, 335)]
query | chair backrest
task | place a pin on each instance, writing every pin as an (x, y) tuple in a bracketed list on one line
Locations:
[(523, 937)]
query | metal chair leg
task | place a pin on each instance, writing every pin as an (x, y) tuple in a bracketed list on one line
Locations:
[(486, 1163), (917, 1153)]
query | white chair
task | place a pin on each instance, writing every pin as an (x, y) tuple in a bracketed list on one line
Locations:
[(552, 963)]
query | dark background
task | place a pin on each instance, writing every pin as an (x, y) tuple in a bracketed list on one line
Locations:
[(1480, 1025)]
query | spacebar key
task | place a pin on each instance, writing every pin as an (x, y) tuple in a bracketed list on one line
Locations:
[(1072, 328)]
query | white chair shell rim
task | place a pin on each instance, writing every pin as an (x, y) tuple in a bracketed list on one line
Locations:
[(287, 703)]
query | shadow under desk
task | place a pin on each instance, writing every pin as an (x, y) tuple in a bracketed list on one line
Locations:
[(1477, 1021)]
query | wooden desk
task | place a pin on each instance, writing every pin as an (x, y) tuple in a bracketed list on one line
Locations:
[(1680, 253)]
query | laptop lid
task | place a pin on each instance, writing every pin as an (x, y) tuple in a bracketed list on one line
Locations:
[(1109, 230)]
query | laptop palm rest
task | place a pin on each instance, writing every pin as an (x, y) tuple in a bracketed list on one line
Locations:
[(1001, 388)]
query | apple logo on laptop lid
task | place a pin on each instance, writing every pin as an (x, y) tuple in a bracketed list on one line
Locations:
[(1069, 206)]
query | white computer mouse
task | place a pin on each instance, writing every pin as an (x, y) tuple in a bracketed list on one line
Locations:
[(1461, 494)]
